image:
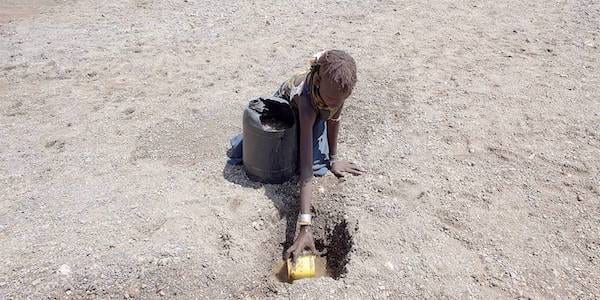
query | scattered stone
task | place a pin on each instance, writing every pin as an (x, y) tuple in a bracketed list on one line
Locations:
[(163, 261), (129, 111), (579, 197), (390, 266), (64, 270), (133, 292), (257, 225)]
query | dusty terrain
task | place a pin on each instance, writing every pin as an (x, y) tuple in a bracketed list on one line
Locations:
[(479, 123)]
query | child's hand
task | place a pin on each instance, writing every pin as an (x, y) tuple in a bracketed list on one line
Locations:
[(338, 168), (304, 241)]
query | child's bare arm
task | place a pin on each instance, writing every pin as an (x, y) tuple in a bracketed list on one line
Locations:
[(305, 240), (307, 121), (333, 128), (338, 167)]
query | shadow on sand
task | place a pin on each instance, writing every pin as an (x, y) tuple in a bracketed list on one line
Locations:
[(284, 197)]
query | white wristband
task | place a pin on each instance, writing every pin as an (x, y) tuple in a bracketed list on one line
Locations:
[(305, 219)]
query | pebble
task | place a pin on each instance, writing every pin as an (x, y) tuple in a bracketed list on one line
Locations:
[(257, 225), (389, 265), (133, 292), (64, 270), (579, 197), (163, 261)]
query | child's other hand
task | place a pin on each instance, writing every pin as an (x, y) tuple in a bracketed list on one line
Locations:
[(339, 168)]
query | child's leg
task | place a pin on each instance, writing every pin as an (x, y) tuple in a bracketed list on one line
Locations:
[(235, 152)]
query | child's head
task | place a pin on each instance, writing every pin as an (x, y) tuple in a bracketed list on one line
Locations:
[(336, 76)]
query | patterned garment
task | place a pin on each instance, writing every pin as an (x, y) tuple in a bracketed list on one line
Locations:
[(297, 86)]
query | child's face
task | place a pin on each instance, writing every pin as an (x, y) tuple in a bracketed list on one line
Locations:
[(330, 92)]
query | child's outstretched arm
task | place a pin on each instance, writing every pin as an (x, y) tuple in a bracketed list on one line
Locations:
[(339, 167), (307, 116)]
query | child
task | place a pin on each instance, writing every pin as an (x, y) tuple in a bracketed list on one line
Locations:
[(318, 95)]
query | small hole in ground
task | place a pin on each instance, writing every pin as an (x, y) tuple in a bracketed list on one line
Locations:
[(338, 246)]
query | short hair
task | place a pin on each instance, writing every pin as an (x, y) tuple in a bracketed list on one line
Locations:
[(340, 67)]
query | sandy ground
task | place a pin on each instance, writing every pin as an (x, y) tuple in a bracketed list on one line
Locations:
[(479, 123)]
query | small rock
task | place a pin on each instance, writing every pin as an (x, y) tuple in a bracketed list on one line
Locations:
[(163, 261), (471, 150), (371, 209), (321, 190), (129, 111), (389, 265), (68, 292), (133, 292), (257, 225), (579, 197), (64, 270), (162, 293)]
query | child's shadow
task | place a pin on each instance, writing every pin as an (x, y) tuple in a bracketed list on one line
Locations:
[(284, 197)]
